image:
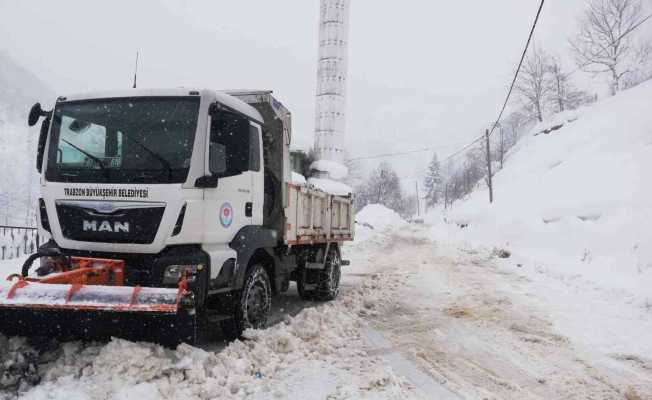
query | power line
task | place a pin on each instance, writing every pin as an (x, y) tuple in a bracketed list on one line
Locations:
[(518, 69), (392, 154), (527, 45), (462, 149)]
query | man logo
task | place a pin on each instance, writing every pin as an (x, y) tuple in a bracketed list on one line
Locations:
[(105, 226)]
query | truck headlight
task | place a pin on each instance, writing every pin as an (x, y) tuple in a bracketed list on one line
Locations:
[(174, 273)]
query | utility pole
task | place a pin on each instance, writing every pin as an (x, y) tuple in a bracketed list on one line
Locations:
[(136, 70), (489, 180)]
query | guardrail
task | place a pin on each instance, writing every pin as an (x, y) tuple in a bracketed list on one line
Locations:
[(18, 241)]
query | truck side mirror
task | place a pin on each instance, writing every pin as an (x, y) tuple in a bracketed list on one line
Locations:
[(43, 135), (35, 113), (206, 182)]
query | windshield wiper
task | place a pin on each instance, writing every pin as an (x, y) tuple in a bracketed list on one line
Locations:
[(90, 156), (154, 154)]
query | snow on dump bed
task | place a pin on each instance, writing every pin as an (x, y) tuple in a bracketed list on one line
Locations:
[(331, 186), (298, 179), (318, 354), (577, 200), (334, 169)]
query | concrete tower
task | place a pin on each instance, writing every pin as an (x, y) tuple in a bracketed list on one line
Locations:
[(331, 80)]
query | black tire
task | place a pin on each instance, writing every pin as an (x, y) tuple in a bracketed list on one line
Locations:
[(325, 284), (328, 286), (252, 305)]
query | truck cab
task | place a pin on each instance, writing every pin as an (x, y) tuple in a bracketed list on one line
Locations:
[(185, 182)]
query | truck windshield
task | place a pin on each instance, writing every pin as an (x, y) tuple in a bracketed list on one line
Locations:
[(124, 140)]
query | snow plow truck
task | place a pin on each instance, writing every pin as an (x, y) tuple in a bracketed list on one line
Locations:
[(167, 209)]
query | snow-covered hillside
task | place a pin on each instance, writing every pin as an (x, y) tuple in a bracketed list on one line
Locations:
[(579, 197), (575, 203), (19, 89)]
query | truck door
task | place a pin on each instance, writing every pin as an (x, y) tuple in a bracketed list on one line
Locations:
[(229, 206)]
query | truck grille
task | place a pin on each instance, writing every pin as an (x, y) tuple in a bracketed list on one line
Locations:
[(110, 222)]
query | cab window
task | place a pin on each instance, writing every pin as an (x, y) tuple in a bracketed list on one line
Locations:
[(230, 144)]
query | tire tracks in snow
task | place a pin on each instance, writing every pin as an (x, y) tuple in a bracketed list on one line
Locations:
[(477, 330)]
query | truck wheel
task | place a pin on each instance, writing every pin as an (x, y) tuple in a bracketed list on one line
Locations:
[(252, 305), (321, 285), (328, 286)]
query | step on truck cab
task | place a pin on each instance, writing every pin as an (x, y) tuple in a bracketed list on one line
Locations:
[(188, 190)]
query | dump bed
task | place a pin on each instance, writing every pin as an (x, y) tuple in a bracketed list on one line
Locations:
[(304, 214), (314, 216)]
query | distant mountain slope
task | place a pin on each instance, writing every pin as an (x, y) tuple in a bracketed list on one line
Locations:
[(19, 89), (579, 199)]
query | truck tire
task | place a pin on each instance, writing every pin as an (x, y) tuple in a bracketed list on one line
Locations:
[(328, 286), (321, 285), (252, 304)]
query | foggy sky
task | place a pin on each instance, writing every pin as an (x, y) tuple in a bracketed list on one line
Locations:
[(423, 73)]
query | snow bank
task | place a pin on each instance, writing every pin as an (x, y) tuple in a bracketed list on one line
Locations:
[(579, 200), (379, 217), (334, 169), (374, 220), (331, 186)]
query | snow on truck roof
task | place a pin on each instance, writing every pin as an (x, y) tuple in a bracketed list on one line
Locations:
[(223, 97)]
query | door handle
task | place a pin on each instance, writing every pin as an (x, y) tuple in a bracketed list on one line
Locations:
[(248, 209)]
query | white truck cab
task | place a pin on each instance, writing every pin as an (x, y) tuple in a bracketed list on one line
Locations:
[(195, 182)]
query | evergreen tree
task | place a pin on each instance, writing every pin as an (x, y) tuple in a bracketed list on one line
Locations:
[(434, 182)]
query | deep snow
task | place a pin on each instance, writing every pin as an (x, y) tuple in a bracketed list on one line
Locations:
[(417, 318), (575, 205)]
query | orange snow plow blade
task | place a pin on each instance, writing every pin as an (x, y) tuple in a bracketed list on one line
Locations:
[(90, 292)]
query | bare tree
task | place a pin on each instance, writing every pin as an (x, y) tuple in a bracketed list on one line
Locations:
[(559, 84), (562, 93), (532, 84), (604, 42), (514, 125), (381, 187)]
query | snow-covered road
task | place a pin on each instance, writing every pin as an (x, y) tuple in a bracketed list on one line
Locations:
[(486, 328), (416, 319)]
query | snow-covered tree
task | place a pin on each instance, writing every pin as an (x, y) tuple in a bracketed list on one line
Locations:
[(605, 43), (433, 182), (562, 93), (532, 83), (382, 187)]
